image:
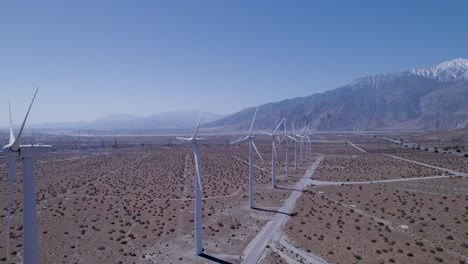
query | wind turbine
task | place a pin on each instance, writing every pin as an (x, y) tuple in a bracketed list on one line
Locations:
[(273, 154), (306, 139), (295, 145), (287, 136), (252, 146), (27, 153), (302, 142), (198, 191), (310, 143)]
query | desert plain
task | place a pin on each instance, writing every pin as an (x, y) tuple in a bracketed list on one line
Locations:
[(357, 198)]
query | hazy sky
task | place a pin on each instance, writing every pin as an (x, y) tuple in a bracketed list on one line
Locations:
[(93, 58)]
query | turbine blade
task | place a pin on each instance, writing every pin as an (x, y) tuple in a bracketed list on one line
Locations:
[(12, 134), (239, 140), (280, 141), (293, 138), (265, 133), (279, 124), (11, 162), (199, 120), (258, 152), (183, 138), (294, 129), (278, 138), (16, 144), (253, 120)]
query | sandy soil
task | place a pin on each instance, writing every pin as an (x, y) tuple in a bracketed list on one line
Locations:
[(133, 203), (448, 161), (367, 167), (136, 204), (411, 222)]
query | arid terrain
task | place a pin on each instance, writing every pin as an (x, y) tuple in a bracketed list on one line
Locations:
[(131, 200)]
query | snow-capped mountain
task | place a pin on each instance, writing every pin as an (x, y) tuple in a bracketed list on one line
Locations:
[(418, 99), (448, 71)]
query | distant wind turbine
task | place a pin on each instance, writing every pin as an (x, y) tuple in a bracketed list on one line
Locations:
[(250, 138), (27, 153), (310, 144), (198, 191), (295, 145), (273, 154), (301, 136)]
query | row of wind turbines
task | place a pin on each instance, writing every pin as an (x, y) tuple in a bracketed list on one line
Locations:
[(14, 151), (303, 139)]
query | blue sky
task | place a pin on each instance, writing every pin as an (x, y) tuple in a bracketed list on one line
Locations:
[(93, 58)]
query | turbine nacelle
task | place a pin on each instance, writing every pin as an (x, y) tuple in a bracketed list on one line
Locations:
[(7, 151)]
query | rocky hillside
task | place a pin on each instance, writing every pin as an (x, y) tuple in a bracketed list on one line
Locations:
[(418, 99)]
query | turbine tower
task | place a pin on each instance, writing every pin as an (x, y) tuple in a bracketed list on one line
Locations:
[(198, 191), (302, 142), (27, 153), (250, 138), (295, 145), (286, 144), (310, 144), (273, 154), (306, 146)]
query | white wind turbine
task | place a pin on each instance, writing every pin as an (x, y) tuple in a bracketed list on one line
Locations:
[(287, 136), (27, 153), (310, 144), (287, 147), (287, 144), (198, 191), (306, 145), (295, 145), (273, 154), (301, 136), (252, 146)]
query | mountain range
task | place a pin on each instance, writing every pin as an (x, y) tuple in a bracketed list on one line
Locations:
[(161, 121), (418, 99)]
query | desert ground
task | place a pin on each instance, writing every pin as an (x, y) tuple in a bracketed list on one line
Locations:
[(359, 198)]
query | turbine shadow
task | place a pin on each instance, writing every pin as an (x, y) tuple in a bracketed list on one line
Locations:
[(291, 189), (214, 259), (274, 211)]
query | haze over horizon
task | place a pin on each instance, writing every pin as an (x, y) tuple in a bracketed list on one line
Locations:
[(93, 59)]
